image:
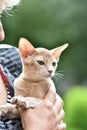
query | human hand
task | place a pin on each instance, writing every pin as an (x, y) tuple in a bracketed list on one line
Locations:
[(47, 116)]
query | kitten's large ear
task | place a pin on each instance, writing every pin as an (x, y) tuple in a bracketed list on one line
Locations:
[(25, 47), (57, 52)]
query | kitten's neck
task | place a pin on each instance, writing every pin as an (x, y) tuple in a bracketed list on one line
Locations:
[(33, 80)]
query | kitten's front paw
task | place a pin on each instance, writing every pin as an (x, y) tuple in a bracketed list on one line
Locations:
[(32, 102), (28, 102), (19, 101)]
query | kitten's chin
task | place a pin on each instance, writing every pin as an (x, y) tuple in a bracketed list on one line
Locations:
[(48, 76)]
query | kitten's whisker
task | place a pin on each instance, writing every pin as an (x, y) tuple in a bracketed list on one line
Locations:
[(58, 75)]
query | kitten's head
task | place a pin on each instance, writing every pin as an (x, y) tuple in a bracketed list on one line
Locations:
[(39, 63)]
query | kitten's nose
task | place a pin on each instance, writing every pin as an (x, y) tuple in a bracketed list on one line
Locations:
[(50, 71)]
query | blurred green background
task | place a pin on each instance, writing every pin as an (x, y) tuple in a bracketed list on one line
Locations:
[(51, 23)]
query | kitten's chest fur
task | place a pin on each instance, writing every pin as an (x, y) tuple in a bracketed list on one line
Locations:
[(37, 89)]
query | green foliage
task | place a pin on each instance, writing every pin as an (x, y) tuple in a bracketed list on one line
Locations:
[(76, 108), (72, 128)]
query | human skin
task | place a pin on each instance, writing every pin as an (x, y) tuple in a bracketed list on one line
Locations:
[(2, 34), (3, 93)]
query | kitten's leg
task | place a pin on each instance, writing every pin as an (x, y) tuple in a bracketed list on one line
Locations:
[(31, 102), (8, 111), (26, 102)]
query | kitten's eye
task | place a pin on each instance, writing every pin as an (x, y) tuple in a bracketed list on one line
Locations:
[(54, 63), (40, 62)]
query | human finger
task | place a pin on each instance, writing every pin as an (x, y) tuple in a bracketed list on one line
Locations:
[(61, 115), (59, 99), (62, 126), (58, 104)]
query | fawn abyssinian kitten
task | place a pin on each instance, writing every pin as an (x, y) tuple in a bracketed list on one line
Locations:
[(39, 65)]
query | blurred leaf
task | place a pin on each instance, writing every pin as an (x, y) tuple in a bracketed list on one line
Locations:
[(76, 107)]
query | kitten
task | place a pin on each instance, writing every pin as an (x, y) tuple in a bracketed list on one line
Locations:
[(39, 65)]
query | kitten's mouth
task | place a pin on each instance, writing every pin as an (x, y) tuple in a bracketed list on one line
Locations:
[(48, 75)]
